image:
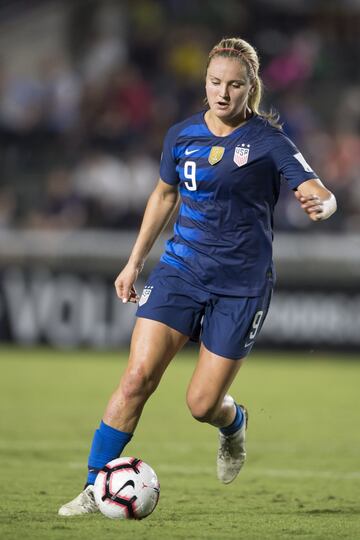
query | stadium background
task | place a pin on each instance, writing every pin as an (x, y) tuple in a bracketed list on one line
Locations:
[(87, 92)]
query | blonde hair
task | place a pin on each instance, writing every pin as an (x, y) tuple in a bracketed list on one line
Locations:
[(242, 50)]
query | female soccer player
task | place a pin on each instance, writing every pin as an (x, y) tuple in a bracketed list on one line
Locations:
[(214, 281)]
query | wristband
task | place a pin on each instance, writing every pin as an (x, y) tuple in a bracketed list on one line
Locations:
[(329, 207)]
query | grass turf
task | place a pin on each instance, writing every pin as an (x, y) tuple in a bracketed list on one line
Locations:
[(301, 479)]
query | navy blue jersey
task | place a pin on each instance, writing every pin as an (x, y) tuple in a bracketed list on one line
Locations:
[(229, 187)]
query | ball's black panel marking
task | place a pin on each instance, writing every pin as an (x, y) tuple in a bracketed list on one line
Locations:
[(127, 503)]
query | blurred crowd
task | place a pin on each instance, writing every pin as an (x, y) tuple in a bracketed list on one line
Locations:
[(81, 135)]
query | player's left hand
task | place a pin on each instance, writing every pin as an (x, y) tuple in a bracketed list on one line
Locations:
[(312, 205)]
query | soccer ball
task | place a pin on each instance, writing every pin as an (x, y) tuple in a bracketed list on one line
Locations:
[(126, 488)]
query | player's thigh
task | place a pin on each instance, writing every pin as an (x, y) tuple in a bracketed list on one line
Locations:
[(212, 377), (153, 345)]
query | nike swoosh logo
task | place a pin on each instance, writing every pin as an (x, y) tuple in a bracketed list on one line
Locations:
[(188, 152), (248, 344)]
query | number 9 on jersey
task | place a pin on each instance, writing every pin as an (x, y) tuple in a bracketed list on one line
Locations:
[(190, 174)]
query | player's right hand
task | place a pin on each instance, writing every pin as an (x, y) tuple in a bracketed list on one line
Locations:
[(124, 284)]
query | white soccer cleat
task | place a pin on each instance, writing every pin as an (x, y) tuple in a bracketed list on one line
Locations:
[(82, 504), (232, 454)]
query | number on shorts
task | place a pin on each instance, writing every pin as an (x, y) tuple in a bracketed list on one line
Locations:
[(255, 324), (190, 174)]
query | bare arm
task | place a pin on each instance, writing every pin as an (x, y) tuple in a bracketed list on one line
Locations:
[(316, 200), (160, 207)]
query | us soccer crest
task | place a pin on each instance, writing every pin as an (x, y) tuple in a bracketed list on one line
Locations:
[(216, 154), (241, 154), (145, 295)]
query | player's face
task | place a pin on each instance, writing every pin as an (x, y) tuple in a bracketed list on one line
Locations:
[(227, 88)]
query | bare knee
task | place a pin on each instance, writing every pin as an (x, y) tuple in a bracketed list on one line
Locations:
[(202, 408), (136, 385), (127, 401)]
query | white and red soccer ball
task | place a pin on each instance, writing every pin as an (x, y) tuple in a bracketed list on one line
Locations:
[(127, 488)]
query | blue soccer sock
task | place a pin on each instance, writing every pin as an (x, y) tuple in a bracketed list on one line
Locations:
[(107, 444), (236, 424)]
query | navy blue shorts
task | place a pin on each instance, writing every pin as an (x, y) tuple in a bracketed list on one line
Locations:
[(226, 325)]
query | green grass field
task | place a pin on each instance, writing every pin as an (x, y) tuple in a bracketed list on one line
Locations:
[(301, 480)]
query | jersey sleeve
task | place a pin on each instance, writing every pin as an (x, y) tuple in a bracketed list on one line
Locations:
[(290, 162), (168, 172)]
